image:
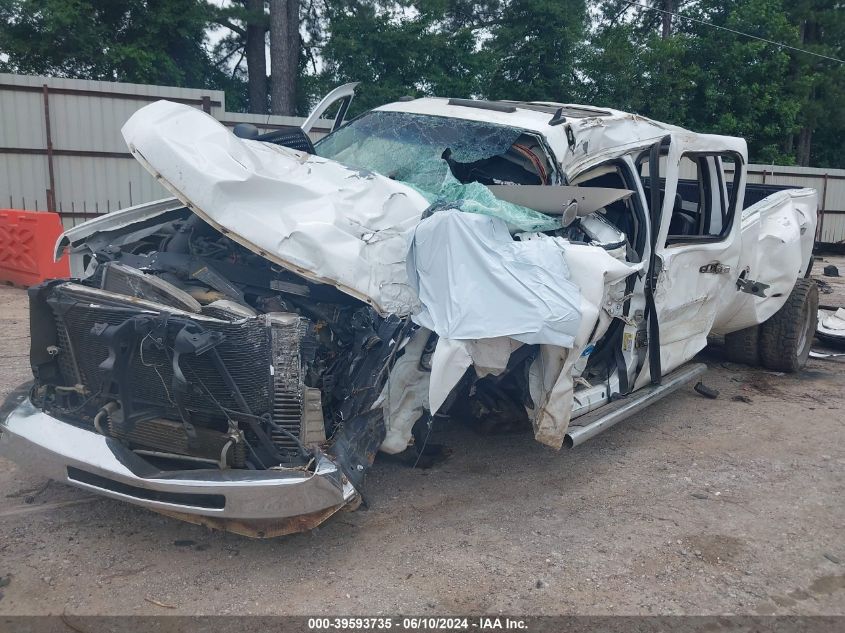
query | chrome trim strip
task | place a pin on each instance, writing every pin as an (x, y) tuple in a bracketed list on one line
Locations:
[(604, 417)]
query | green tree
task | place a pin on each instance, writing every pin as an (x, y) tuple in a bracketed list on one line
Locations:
[(285, 49), (246, 40), (700, 76), (818, 83), (667, 59), (534, 49), (471, 48), (742, 84), (393, 48), (142, 41)]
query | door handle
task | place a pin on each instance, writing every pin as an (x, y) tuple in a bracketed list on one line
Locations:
[(715, 268)]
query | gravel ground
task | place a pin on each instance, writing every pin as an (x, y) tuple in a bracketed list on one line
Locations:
[(694, 506)]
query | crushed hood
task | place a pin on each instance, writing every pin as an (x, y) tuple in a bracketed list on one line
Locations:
[(314, 216)]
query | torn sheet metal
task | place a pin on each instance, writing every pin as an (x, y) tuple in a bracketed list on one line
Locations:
[(318, 218), (474, 197), (474, 281), (555, 200), (819, 354), (510, 297), (346, 91), (451, 359), (596, 137), (601, 278), (449, 363), (108, 226)]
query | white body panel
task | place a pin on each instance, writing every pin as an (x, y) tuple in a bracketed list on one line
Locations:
[(324, 221), (777, 242)]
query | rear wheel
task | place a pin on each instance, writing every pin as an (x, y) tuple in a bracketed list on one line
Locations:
[(786, 338), (743, 346), (809, 270)]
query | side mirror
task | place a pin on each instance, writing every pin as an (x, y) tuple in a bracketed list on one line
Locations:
[(570, 213)]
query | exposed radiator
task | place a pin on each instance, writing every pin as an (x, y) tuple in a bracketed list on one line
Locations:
[(169, 436), (287, 330), (245, 351), (264, 356)]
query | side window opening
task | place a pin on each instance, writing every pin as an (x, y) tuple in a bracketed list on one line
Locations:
[(645, 178), (703, 205), (693, 199), (623, 218), (625, 215)]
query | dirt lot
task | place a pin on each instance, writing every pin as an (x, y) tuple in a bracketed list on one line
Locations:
[(695, 506)]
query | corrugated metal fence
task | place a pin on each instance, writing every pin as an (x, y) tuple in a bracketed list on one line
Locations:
[(61, 149)]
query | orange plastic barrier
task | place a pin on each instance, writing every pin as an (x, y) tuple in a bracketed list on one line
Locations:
[(27, 241)]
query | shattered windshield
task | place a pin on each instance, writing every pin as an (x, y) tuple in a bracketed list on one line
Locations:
[(448, 160)]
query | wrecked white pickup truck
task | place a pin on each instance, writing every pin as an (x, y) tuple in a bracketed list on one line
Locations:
[(237, 355)]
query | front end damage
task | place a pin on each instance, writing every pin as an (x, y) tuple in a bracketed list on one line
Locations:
[(237, 356), (166, 386)]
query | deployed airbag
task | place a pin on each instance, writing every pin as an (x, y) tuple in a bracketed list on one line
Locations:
[(474, 281)]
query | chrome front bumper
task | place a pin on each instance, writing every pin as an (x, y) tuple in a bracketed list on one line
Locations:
[(277, 501)]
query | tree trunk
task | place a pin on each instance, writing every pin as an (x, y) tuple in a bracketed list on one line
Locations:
[(788, 144), (284, 55), (666, 27), (795, 66), (805, 141), (256, 58), (809, 36)]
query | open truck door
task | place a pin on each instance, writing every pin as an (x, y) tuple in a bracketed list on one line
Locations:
[(695, 245), (343, 94), (297, 137)]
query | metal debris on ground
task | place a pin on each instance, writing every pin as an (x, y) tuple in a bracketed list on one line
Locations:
[(824, 287), (825, 354), (831, 326)]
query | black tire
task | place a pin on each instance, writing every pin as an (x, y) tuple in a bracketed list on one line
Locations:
[(743, 346), (809, 270), (786, 338)]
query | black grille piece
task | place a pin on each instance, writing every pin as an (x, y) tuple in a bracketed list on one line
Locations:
[(292, 137), (197, 500), (67, 362), (264, 356)]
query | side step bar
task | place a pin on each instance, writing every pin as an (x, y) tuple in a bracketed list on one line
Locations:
[(603, 418)]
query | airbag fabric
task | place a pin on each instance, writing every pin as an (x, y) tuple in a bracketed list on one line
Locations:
[(474, 281)]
